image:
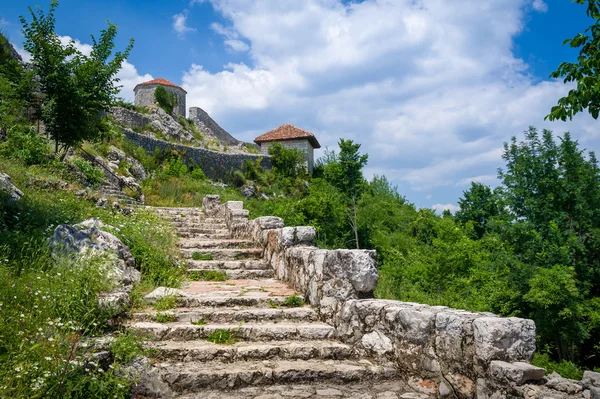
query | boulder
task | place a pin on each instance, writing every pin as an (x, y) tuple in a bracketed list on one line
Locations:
[(8, 190), (88, 239), (248, 191), (590, 379)]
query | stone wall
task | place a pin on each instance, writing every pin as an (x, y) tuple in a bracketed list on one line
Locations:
[(299, 144), (144, 96), (445, 352), (203, 120), (216, 165)]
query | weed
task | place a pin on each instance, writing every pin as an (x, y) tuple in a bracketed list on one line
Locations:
[(165, 303), (293, 301), (165, 317), (223, 337), (194, 275), (208, 275), (127, 347), (199, 322), (201, 256)]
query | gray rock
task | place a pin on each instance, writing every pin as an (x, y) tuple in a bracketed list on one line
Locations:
[(517, 372), (305, 235), (377, 342), (590, 379), (210, 203), (102, 202), (558, 383), (594, 393), (248, 191), (510, 339), (444, 390), (269, 222), (8, 190)]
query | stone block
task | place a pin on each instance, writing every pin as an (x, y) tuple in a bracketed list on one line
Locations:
[(509, 339), (517, 372), (269, 222), (590, 379), (377, 342), (305, 235)]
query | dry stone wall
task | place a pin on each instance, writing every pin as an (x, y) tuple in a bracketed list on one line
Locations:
[(204, 121), (445, 352), (215, 165)]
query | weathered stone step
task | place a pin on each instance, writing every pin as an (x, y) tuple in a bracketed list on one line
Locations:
[(224, 254), (227, 265), (239, 274), (203, 351), (191, 377), (222, 244), (219, 300), (211, 236), (184, 222), (393, 389), (181, 331), (233, 315), (201, 230)]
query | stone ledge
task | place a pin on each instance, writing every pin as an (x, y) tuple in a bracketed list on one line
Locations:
[(517, 372)]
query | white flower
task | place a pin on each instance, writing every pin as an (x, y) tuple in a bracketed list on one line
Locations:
[(48, 358), (22, 315)]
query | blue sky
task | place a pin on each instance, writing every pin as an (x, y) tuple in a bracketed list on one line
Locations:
[(430, 88)]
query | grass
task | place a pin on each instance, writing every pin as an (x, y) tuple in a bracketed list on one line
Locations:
[(165, 317), (208, 275), (201, 256), (199, 322), (165, 303), (223, 337), (293, 301)]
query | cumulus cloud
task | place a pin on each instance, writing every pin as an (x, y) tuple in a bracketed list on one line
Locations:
[(540, 6), (180, 23), (232, 41), (440, 208)]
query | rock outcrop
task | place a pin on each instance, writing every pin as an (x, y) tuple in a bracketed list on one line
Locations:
[(8, 191)]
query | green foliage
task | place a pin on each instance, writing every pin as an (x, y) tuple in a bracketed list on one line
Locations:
[(255, 172), (565, 368), (165, 317), (201, 256), (174, 167), (166, 302), (26, 144), (293, 301), (288, 163), (238, 179), (208, 275), (127, 346), (165, 99), (93, 176), (198, 174), (130, 106), (199, 322), (480, 206), (584, 71), (223, 337), (251, 148), (78, 89)]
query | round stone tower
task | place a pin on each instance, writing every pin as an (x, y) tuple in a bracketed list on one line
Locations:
[(144, 94)]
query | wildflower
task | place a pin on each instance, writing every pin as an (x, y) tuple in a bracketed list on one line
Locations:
[(48, 358)]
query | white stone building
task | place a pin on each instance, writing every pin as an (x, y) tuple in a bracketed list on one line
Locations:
[(144, 94), (290, 136)]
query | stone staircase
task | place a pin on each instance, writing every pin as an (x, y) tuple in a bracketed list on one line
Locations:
[(110, 191), (240, 338)]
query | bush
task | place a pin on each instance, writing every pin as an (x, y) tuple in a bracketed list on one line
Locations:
[(564, 368), (238, 179), (165, 99), (93, 176), (174, 167), (198, 174), (26, 144)]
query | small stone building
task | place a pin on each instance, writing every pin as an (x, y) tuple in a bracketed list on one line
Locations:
[(290, 136), (144, 94)]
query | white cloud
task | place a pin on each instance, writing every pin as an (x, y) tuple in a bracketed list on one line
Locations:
[(540, 6), (440, 208), (4, 22), (179, 23), (236, 45), (430, 88), (129, 78), (84, 48)]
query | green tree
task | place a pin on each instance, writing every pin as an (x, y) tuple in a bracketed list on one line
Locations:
[(480, 206), (165, 99), (288, 163), (584, 71), (344, 171), (78, 89)]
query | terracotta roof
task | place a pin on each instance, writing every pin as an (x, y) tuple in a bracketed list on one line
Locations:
[(288, 132), (159, 81)]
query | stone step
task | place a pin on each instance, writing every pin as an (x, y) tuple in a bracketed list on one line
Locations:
[(182, 331), (392, 389), (227, 265), (233, 315), (229, 243), (194, 377), (202, 230), (207, 236), (199, 225), (241, 274), (203, 351), (220, 300), (224, 254)]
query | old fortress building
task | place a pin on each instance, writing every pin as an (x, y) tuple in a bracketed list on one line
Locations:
[(144, 94)]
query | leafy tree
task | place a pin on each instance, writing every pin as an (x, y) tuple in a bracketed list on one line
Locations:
[(480, 205), (584, 71), (288, 163), (78, 89), (165, 99), (344, 171)]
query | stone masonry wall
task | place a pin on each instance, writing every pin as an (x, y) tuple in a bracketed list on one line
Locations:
[(144, 96), (201, 118), (216, 165), (446, 352), (300, 144)]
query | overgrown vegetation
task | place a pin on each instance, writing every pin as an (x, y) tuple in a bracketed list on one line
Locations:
[(223, 337), (165, 99), (165, 303), (208, 275)]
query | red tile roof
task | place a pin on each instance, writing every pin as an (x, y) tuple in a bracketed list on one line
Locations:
[(288, 132), (159, 81)]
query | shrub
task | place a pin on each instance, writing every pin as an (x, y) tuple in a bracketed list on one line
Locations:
[(166, 302), (127, 346), (564, 368), (238, 179), (26, 144), (287, 162), (198, 174), (293, 301), (165, 99), (93, 176), (174, 167)]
